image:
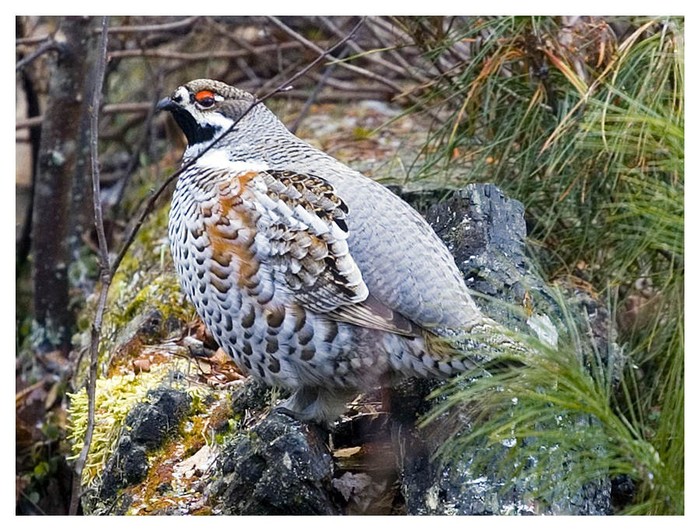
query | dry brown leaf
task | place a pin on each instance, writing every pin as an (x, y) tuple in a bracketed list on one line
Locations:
[(346, 452), (196, 464)]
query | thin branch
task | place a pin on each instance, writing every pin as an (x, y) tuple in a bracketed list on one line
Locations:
[(242, 43), (313, 46), (108, 109), (400, 66), (339, 84), (405, 66), (282, 74), (105, 273), (48, 45), (399, 91), (317, 89), (33, 121), (31, 41), (338, 95), (127, 107), (150, 28), (141, 146)]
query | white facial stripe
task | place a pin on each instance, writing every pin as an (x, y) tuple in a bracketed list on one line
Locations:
[(217, 119), (183, 94)]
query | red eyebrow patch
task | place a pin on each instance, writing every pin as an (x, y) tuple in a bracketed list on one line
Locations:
[(203, 96)]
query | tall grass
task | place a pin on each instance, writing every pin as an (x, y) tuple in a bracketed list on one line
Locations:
[(585, 125)]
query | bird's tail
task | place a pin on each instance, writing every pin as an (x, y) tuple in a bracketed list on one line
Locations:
[(485, 345)]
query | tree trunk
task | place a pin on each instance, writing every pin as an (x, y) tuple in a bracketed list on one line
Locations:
[(54, 232)]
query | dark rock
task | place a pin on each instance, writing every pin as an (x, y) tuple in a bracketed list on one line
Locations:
[(252, 396), (280, 467), (432, 487), (485, 231), (151, 325), (152, 421), (623, 491)]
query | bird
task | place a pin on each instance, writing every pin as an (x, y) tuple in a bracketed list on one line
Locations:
[(313, 277)]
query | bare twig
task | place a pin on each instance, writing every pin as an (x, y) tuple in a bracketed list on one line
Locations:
[(342, 96), (127, 107), (105, 272), (350, 87), (400, 66), (30, 41), (151, 28), (46, 46), (377, 28), (109, 109), (399, 91), (33, 121), (131, 167), (313, 46), (231, 36), (317, 89), (281, 75)]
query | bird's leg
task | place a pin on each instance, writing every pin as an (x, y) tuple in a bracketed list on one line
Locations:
[(316, 404)]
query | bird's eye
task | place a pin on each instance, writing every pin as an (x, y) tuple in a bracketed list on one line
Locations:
[(205, 99)]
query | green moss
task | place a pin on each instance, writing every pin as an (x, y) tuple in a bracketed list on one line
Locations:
[(114, 399), (168, 485)]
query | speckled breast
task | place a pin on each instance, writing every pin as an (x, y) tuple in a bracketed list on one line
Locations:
[(222, 268)]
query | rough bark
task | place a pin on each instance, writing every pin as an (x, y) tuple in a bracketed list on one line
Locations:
[(58, 190)]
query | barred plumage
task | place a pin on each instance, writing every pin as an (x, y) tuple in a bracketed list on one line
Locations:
[(310, 275)]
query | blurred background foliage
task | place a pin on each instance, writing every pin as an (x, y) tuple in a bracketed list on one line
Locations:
[(579, 118)]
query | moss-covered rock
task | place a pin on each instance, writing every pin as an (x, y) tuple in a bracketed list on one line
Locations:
[(154, 406)]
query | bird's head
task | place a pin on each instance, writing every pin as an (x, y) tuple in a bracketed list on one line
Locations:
[(204, 109)]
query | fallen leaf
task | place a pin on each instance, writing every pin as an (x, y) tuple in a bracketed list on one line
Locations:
[(195, 464), (345, 453), (141, 364)]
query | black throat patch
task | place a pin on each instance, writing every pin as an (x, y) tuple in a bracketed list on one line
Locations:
[(194, 131)]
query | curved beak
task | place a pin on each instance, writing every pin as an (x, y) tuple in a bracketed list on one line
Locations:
[(166, 104)]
